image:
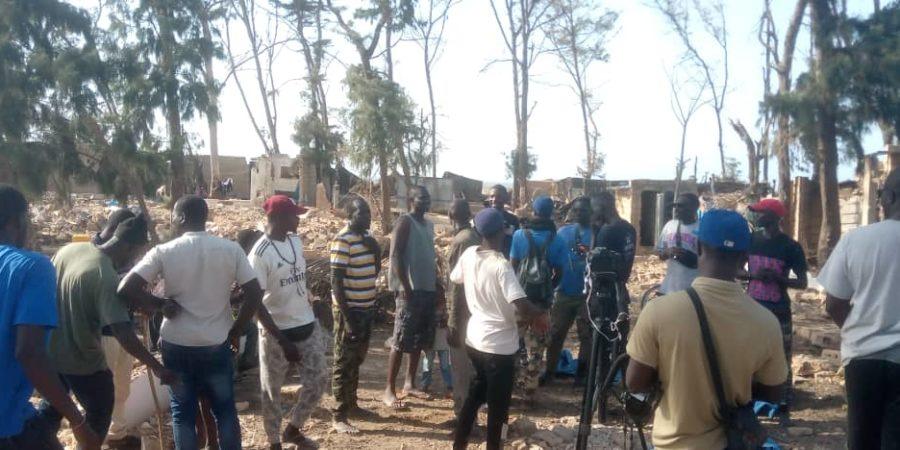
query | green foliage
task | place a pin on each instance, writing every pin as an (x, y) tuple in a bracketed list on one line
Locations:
[(380, 115), (512, 161), (863, 74), (318, 143)]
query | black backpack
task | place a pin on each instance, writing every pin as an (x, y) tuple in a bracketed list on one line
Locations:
[(535, 274)]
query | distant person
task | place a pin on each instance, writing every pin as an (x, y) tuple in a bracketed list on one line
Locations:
[(199, 332), (569, 304), (87, 278), (773, 257), (498, 199), (414, 278), (355, 265), (862, 279), (27, 314), (677, 245), (291, 342), (464, 236), (438, 357), (494, 298), (666, 345), (538, 257)]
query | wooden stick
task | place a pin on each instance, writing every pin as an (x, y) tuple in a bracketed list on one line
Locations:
[(159, 413)]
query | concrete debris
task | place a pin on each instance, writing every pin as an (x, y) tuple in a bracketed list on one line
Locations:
[(800, 431)]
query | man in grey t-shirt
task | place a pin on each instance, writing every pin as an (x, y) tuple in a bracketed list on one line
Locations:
[(414, 278)]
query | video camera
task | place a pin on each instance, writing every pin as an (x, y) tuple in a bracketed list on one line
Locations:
[(604, 270)]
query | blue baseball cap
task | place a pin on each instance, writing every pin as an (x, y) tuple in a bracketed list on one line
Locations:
[(724, 229), (543, 206), (489, 221)]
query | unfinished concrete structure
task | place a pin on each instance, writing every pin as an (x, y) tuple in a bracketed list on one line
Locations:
[(234, 167), (274, 174), (442, 190)]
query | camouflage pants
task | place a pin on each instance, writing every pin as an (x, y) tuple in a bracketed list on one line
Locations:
[(349, 355), (531, 359), (274, 369)]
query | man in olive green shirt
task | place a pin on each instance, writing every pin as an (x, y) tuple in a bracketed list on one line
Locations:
[(87, 302)]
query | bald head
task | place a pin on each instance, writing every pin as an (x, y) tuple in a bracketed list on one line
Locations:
[(190, 213), (460, 213)]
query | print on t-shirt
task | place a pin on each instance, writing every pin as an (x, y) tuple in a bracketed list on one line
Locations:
[(765, 291)]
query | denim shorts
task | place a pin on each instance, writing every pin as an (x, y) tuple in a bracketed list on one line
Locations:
[(414, 322)]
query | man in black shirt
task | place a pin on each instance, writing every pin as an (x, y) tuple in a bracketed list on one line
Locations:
[(616, 234), (773, 256), (499, 197)]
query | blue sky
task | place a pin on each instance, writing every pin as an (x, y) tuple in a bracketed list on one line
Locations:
[(640, 136)]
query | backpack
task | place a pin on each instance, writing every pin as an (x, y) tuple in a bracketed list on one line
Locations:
[(535, 274)]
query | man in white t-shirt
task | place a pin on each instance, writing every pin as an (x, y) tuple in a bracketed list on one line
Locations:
[(493, 296), (198, 332), (862, 279), (290, 338), (677, 245)]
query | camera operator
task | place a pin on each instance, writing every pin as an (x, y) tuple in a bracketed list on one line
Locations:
[(616, 234), (677, 245)]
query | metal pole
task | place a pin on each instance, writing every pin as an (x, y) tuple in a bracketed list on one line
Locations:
[(587, 402)]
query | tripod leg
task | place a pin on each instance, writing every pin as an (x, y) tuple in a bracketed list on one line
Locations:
[(587, 402)]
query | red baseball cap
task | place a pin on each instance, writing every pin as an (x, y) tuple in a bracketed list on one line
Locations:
[(772, 205), (282, 204)]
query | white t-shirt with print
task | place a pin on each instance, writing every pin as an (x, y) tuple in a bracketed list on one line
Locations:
[(865, 268), (281, 270), (198, 270), (678, 276), (491, 286)]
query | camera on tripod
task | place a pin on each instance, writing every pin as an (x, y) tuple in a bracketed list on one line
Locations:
[(605, 268)]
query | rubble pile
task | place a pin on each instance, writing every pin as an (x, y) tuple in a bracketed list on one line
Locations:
[(524, 434)]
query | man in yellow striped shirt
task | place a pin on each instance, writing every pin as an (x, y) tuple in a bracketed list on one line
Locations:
[(355, 264)]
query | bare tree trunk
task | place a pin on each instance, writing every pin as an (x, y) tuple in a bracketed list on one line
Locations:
[(212, 89), (248, 17), (783, 136), (680, 169), (830, 232), (752, 159), (172, 110), (433, 130)]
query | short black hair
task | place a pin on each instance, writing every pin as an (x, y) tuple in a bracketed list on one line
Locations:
[(459, 208), (690, 196), (12, 204), (418, 190), (354, 204), (193, 208), (247, 237), (499, 187), (133, 230)]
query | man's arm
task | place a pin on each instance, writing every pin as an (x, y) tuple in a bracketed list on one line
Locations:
[(124, 334), (398, 262), (134, 290), (838, 309), (539, 318), (30, 353), (252, 300), (639, 377)]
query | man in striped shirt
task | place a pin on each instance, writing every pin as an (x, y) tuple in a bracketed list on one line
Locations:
[(355, 263)]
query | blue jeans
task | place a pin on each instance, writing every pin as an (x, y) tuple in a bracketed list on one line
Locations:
[(206, 371), (428, 365)]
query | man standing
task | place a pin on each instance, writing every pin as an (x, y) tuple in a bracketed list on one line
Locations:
[(619, 236), (414, 278), (27, 312), (461, 366), (355, 265), (862, 279), (198, 331), (666, 345), (536, 251), (569, 305), (290, 338), (677, 245), (498, 199), (87, 278), (494, 297), (773, 256)]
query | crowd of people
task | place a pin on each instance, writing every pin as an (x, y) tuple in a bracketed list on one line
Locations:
[(717, 338)]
